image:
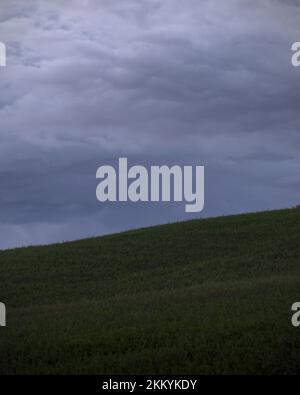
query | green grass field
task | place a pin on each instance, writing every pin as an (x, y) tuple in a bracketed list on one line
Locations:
[(202, 297)]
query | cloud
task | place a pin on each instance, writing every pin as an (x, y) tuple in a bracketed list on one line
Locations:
[(191, 82)]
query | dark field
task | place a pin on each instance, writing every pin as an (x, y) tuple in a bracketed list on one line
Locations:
[(204, 297)]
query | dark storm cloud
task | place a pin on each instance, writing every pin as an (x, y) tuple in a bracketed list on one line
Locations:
[(170, 82)]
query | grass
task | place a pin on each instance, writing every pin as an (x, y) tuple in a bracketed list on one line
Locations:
[(202, 297)]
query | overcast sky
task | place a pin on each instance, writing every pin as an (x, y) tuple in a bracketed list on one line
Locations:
[(205, 82)]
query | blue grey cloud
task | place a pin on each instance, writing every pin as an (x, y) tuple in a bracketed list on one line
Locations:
[(169, 82)]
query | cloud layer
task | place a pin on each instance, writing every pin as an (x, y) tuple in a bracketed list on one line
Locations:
[(169, 82)]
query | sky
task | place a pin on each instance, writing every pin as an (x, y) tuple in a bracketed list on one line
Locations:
[(160, 82)]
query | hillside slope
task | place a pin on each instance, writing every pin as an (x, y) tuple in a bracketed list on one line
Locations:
[(208, 296)]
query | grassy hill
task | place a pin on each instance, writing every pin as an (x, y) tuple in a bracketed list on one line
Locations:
[(208, 296)]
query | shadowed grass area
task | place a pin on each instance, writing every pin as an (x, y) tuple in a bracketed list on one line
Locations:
[(205, 297)]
